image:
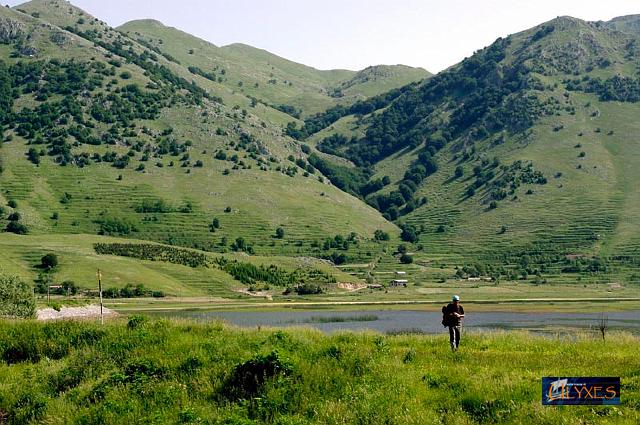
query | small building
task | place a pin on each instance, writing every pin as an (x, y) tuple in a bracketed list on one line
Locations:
[(399, 282), (400, 273)]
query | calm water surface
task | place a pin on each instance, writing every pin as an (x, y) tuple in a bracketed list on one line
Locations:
[(428, 322)]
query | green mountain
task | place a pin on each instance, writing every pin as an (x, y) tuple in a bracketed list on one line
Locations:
[(294, 88), (527, 148), (103, 135), (519, 160)]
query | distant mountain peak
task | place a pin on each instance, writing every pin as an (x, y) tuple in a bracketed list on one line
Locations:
[(148, 21)]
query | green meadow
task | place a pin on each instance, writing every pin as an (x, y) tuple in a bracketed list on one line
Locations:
[(160, 371)]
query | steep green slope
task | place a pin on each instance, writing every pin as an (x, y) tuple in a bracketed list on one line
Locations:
[(528, 147), (292, 87), (118, 141)]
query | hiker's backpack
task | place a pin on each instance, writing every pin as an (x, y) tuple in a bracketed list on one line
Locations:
[(445, 316)]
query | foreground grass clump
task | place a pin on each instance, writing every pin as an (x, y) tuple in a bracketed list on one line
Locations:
[(159, 371)]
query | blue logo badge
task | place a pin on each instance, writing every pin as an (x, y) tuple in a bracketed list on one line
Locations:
[(574, 390)]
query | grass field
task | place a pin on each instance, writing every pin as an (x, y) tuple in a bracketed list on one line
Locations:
[(163, 371), (79, 263)]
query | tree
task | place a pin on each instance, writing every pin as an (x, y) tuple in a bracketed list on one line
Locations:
[(70, 287), (16, 297), (406, 259), (459, 171), (279, 233), (34, 156), (49, 261), (17, 228), (381, 235), (409, 233)]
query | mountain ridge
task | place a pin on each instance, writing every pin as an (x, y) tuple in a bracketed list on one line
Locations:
[(520, 160), (269, 78)]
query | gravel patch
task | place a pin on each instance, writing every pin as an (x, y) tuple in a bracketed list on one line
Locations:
[(85, 312)]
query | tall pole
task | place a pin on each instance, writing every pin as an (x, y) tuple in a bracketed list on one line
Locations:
[(100, 292)]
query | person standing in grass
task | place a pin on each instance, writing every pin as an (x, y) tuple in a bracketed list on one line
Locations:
[(452, 315)]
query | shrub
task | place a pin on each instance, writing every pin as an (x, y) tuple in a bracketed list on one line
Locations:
[(17, 228), (406, 259), (16, 297), (153, 252), (308, 289), (136, 321), (248, 378), (49, 261), (409, 233), (116, 226), (69, 287)]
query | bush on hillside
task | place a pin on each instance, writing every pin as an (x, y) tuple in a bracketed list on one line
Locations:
[(247, 379), (16, 297), (406, 259), (49, 261)]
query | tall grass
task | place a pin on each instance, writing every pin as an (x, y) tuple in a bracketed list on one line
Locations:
[(161, 371)]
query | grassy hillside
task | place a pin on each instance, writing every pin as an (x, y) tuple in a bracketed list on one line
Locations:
[(142, 151), (78, 262), (181, 372), (525, 149), (268, 78), (64, 15)]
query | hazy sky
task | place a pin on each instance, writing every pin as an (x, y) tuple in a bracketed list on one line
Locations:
[(353, 34)]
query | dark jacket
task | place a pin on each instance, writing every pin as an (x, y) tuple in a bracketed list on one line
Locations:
[(448, 318)]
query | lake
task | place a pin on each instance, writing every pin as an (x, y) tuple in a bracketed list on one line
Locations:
[(389, 321)]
